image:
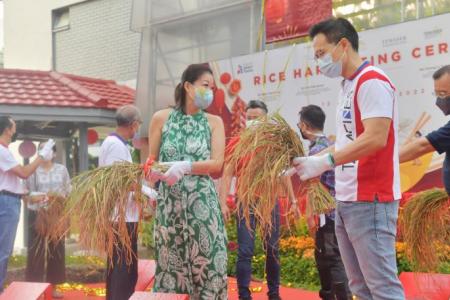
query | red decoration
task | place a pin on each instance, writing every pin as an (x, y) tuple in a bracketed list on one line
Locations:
[(288, 19), (92, 136), (219, 99), (27, 149), (237, 116), (233, 246), (275, 10), (225, 78), (235, 87)]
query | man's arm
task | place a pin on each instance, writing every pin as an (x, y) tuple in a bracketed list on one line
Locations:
[(25, 171), (415, 149), (374, 138)]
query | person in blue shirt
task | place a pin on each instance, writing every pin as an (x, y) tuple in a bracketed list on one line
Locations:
[(333, 279), (438, 140)]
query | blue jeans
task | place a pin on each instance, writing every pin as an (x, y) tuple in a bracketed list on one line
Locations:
[(366, 236), (9, 218), (246, 242)]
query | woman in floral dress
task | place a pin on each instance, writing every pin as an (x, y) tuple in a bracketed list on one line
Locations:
[(190, 236)]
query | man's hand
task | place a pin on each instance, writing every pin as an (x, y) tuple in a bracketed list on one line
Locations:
[(312, 226), (46, 153), (313, 166), (225, 212)]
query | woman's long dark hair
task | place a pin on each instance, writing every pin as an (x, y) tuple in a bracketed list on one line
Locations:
[(191, 74)]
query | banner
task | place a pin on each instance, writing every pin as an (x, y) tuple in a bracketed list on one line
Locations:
[(288, 19), (288, 78)]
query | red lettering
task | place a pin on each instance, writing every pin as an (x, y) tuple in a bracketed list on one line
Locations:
[(256, 80), (318, 70), (297, 73), (429, 51), (416, 52), (396, 56), (443, 48), (282, 76), (308, 72), (382, 58), (272, 77)]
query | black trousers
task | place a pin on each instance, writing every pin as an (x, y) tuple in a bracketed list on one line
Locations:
[(120, 278), (333, 279), (44, 257)]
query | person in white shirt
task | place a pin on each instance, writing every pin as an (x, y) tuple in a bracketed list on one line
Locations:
[(12, 189), (120, 277), (366, 162)]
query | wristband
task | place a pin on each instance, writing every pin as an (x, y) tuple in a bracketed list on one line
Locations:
[(331, 160)]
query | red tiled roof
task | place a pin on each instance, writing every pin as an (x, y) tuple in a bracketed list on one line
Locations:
[(50, 88)]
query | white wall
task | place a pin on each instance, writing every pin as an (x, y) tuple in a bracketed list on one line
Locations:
[(28, 32)]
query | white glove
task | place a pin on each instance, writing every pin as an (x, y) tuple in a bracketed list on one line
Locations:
[(177, 171), (154, 175), (312, 166), (149, 192), (47, 151)]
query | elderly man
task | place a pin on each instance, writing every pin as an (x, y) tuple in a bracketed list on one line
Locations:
[(12, 190), (438, 140), (121, 278)]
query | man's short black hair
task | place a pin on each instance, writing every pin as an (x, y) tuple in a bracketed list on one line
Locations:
[(313, 115), (5, 123), (439, 73), (335, 29), (257, 104)]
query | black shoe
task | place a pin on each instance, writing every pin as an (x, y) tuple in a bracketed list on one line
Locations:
[(246, 298), (275, 297)]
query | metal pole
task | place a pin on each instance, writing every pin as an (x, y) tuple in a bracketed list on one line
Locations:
[(83, 150)]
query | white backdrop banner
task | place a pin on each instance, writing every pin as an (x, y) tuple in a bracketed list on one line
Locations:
[(287, 78)]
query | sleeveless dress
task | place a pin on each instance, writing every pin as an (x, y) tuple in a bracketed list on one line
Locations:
[(190, 238)]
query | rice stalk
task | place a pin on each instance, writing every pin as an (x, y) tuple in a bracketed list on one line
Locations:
[(97, 206), (426, 225), (47, 217), (262, 154)]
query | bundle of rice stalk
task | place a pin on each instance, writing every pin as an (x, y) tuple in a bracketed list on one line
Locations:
[(47, 217), (97, 206), (425, 224), (261, 156)]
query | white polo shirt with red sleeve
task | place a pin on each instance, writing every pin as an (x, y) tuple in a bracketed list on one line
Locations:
[(369, 93)]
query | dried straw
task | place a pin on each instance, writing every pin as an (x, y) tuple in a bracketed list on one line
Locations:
[(97, 207), (48, 217), (426, 224), (262, 154)]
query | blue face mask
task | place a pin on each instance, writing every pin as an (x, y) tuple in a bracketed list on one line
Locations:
[(328, 67), (203, 97)]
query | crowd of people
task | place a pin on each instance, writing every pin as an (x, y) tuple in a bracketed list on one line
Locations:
[(354, 245)]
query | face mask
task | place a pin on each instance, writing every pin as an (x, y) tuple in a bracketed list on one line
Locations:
[(14, 137), (203, 97), (251, 123), (444, 104), (328, 67)]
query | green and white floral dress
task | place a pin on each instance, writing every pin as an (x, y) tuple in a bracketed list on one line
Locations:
[(190, 236)]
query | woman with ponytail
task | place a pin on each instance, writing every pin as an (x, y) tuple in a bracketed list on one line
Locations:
[(190, 237)]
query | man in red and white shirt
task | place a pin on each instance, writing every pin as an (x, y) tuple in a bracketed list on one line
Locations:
[(365, 159)]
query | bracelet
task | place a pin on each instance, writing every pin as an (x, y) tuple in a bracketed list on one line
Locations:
[(331, 160)]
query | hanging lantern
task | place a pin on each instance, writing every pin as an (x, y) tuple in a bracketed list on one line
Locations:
[(275, 10), (92, 136), (27, 149)]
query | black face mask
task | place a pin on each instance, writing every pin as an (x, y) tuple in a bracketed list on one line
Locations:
[(303, 135), (14, 137), (444, 104)]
